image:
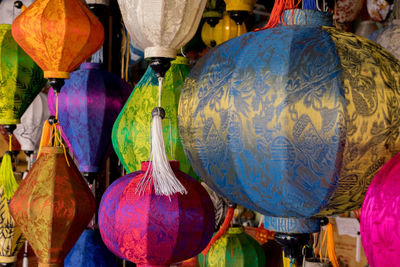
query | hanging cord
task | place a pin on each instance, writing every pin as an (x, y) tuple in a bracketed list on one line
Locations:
[(163, 178), (10, 142)]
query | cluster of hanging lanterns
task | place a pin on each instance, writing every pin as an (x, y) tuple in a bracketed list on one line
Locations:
[(294, 130)]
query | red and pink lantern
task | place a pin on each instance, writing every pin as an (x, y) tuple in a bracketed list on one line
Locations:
[(155, 230)]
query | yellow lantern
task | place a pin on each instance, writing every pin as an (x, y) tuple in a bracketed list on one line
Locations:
[(225, 30), (240, 5)]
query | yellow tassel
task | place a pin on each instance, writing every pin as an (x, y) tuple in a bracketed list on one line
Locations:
[(331, 246), (7, 179), (46, 136)]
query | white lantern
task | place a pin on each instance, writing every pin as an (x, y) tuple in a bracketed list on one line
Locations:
[(389, 38), (161, 27), (29, 131)]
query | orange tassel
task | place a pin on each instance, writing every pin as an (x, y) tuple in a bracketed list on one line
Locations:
[(221, 231), (331, 246), (46, 136)]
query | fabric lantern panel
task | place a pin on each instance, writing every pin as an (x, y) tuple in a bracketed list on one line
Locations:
[(131, 136), (52, 206), (58, 35), (88, 106), (292, 121), (155, 230), (29, 131), (90, 251), (20, 78), (380, 215), (234, 249), (161, 27)]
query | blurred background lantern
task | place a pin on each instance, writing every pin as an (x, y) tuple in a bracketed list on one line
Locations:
[(389, 36), (366, 28), (224, 30), (58, 35), (345, 12), (213, 11), (292, 121), (239, 10), (88, 107), (153, 230), (29, 131), (379, 10), (235, 248), (52, 206), (130, 135), (90, 251), (380, 215), (20, 80)]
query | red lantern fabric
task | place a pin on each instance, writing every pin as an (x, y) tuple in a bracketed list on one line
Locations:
[(52, 206), (58, 35), (155, 230)]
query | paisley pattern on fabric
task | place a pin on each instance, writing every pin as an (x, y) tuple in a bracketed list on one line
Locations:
[(89, 104), (10, 234), (155, 230), (235, 248), (90, 251), (131, 131), (292, 121), (380, 213), (263, 124), (20, 78), (52, 206), (372, 89), (58, 34)]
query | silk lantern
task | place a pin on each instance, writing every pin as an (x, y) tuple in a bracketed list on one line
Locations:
[(223, 31), (380, 214), (58, 35), (20, 79), (130, 135), (239, 10), (11, 239), (347, 10), (90, 251), (378, 10), (235, 248), (292, 121), (153, 230), (52, 206), (29, 131), (88, 106), (161, 27)]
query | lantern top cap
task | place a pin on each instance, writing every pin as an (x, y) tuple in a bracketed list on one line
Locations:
[(174, 165), (306, 17), (5, 26), (90, 66), (235, 230)]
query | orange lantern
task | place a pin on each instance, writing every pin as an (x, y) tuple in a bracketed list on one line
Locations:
[(52, 206), (58, 35)]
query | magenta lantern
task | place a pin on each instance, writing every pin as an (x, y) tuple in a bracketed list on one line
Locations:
[(380, 216), (154, 230)]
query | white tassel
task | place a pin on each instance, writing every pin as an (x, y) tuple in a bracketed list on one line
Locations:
[(25, 259), (164, 180)]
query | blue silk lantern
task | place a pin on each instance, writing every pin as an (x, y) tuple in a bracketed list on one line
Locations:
[(292, 121), (90, 251), (88, 106)]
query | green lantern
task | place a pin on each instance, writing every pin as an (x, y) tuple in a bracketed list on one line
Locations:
[(20, 78), (234, 249), (131, 135)]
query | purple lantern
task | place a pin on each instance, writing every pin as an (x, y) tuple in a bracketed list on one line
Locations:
[(380, 216), (88, 106)]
